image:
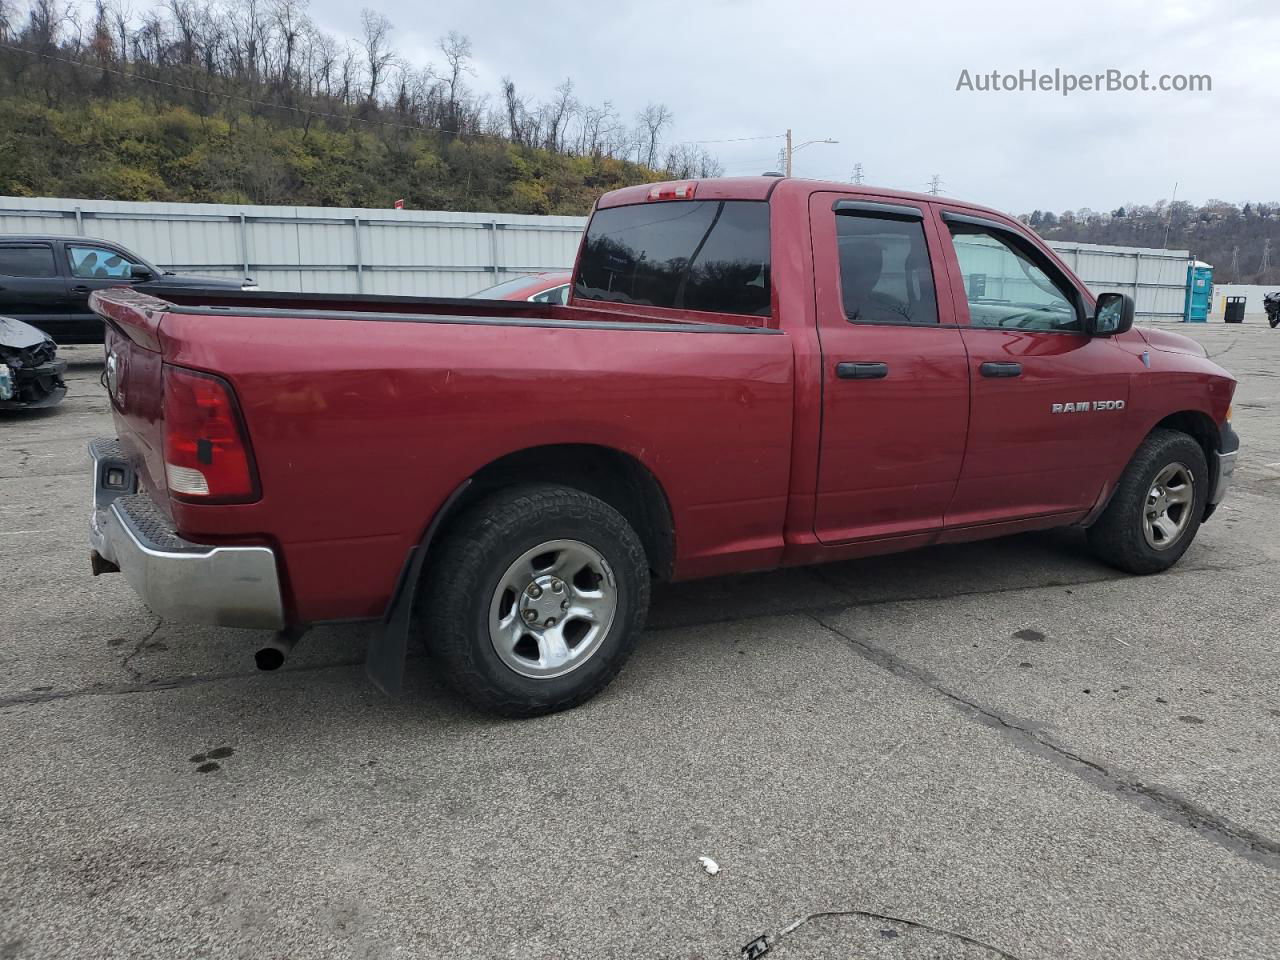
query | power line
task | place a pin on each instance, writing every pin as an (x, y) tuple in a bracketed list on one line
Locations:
[(768, 136)]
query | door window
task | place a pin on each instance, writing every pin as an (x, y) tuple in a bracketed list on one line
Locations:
[(27, 261), (1006, 288), (885, 275), (558, 294), (99, 263)]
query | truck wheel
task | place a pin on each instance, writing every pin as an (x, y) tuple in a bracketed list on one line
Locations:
[(1157, 507), (534, 599)]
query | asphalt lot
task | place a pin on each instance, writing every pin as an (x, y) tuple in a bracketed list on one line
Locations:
[(1003, 740)]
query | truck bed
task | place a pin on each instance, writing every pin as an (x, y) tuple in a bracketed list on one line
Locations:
[(365, 414)]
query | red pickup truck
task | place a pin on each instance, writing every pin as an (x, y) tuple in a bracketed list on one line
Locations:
[(750, 373)]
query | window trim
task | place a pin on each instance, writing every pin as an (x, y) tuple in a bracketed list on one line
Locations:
[(896, 213), (34, 245), (1022, 243)]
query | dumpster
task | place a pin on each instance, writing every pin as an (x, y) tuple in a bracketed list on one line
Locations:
[(1234, 312)]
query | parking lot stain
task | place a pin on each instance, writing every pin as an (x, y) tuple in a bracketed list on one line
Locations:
[(1187, 718), (1032, 636), (209, 759)]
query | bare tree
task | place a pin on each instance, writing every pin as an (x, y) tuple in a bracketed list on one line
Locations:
[(556, 115), (378, 55), (652, 120), (457, 55)]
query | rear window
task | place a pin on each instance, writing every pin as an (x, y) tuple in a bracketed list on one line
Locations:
[(29, 261), (708, 255)]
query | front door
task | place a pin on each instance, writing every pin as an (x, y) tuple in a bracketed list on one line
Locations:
[(895, 377), (92, 267), (1048, 400)]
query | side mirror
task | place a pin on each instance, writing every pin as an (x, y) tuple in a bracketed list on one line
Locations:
[(138, 272), (1112, 315)]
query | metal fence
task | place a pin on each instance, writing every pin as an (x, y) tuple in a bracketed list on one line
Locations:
[(319, 249), (434, 253), (1156, 279)]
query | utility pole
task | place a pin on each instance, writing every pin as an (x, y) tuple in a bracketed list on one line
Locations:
[(935, 184), (857, 174), (789, 150)]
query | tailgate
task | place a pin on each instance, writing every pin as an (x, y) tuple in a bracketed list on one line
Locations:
[(133, 378)]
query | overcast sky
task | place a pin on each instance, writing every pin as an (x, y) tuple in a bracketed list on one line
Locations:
[(881, 78)]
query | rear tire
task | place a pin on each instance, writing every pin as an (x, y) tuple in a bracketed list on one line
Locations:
[(1157, 506), (535, 598)]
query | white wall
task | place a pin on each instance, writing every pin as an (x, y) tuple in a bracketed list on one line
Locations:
[(435, 253), (1251, 292), (316, 249)]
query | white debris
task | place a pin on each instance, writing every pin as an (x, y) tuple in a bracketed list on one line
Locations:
[(709, 865)]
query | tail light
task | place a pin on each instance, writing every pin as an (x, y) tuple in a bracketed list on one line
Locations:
[(206, 450)]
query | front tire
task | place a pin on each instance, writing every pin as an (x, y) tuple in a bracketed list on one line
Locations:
[(535, 599), (1157, 507)]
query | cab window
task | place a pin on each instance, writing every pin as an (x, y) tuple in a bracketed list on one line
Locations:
[(710, 255), (885, 275), (98, 263), (1005, 286)]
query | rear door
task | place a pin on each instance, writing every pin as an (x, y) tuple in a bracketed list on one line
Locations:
[(1048, 400), (94, 266), (31, 289), (895, 377)]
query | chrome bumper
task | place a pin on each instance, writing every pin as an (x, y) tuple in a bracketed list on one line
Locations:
[(177, 579)]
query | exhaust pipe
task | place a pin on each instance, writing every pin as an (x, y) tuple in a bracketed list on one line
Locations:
[(275, 653)]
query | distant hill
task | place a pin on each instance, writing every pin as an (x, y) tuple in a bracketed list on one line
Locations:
[(1242, 243), (249, 102)]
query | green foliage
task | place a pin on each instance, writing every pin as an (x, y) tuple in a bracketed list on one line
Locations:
[(129, 148)]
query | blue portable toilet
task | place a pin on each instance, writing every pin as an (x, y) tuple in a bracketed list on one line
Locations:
[(1199, 293)]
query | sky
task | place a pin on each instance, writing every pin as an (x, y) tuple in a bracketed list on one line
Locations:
[(881, 78)]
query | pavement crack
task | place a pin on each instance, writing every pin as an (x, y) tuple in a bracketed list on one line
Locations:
[(1231, 836), (141, 645)]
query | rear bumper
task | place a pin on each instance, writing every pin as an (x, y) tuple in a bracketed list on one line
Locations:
[(177, 579)]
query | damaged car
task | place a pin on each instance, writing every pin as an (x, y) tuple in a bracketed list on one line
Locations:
[(30, 371)]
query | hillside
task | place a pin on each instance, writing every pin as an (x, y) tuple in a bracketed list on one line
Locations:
[(251, 102), (1242, 243)]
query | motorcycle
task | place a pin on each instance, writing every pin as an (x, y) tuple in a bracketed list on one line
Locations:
[(1272, 304)]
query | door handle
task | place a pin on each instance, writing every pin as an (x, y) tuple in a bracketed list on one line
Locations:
[(862, 371), (1001, 369), (81, 288)]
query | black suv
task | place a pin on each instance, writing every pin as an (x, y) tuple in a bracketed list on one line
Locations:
[(46, 281)]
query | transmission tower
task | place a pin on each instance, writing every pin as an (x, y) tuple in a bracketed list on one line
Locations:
[(857, 174), (1235, 264), (935, 184), (1266, 256)]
